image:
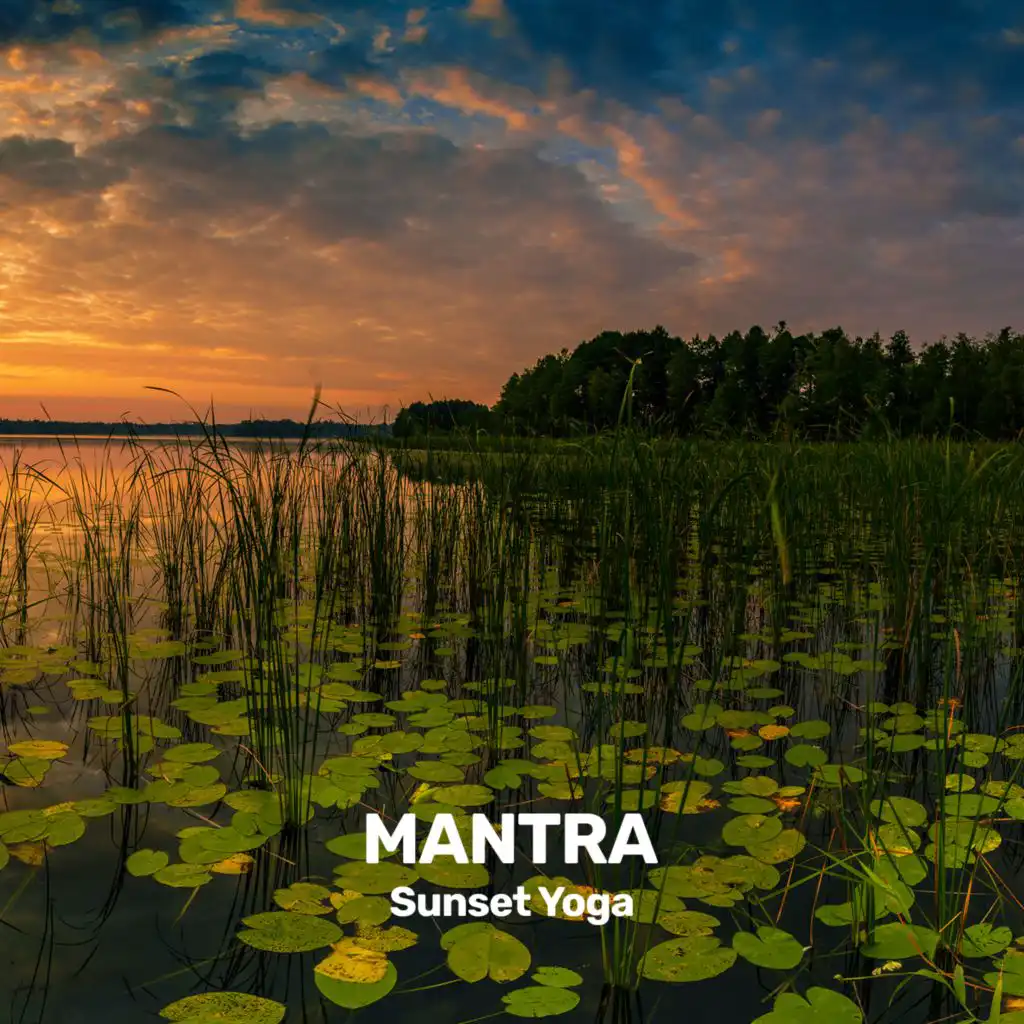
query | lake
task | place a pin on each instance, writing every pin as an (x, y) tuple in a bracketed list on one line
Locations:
[(801, 664)]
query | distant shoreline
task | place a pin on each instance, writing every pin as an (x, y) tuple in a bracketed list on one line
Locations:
[(68, 430)]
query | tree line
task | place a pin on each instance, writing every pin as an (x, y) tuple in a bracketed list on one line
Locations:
[(757, 384)]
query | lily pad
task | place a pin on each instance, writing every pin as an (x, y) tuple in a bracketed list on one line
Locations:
[(479, 950), (687, 959), (750, 828), (229, 1007), (770, 947), (540, 1001), (354, 995), (146, 862), (819, 1006), (279, 931)]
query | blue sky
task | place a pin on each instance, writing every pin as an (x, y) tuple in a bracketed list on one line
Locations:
[(242, 199)]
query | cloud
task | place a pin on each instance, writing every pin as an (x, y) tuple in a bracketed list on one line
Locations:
[(52, 166), (398, 199), (44, 21)]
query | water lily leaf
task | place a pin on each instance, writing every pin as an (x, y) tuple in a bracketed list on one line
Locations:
[(125, 795), (236, 864), (95, 807), (835, 775), (901, 810), (182, 876), (556, 977), (64, 828), (279, 931), (982, 940), (770, 947), (479, 950), (436, 771), (688, 797), (709, 767), (750, 828), (969, 805), (820, 1006), (191, 753), (365, 909), (353, 846), (899, 941), (1012, 975), (146, 862), (752, 805), (502, 777), (22, 826), (445, 872), (28, 772), (384, 940), (688, 922), (353, 963), (811, 730), (371, 879), (542, 1000), (45, 750), (355, 995), (464, 796), (784, 846), (648, 902), (304, 898), (229, 1007), (553, 732), (694, 958), (197, 796)]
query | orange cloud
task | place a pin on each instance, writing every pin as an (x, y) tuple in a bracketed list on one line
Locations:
[(377, 89), (661, 195), (415, 31), (490, 10), (268, 13), (454, 87)]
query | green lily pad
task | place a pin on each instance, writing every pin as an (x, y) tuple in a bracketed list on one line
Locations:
[(820, 1006), (372, 879), (353, 995), (900, 810), (479, 950), (182, 876), (556, 977), (447, 873), (770, 947), (781, 847), (540, 1001), (750, 828), (983, 940), (436, 771), (371, 910), (279, 931), (694, 958), (353, 846), (146, 862), (898, 941), (464, 796), (229, 1007)]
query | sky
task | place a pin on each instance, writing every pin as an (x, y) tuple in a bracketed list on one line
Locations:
[(240, 200)]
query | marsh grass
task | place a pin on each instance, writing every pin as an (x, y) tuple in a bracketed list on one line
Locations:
[(611, 623)]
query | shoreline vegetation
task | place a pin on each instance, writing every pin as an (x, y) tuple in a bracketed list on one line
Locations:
[(755, 385), (758, 385)]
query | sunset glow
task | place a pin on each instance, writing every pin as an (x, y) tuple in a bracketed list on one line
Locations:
[(241, 200)]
